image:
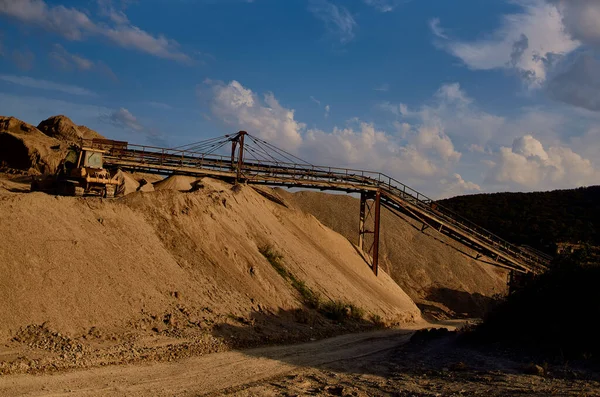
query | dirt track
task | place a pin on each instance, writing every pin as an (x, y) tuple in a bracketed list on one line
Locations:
[(207, 374)]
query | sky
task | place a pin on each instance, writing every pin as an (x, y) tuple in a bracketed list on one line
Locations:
[(449, 97)]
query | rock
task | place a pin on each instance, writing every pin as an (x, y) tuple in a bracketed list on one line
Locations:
[(88, 133), (335, 390), (61, 128), (533, 369)]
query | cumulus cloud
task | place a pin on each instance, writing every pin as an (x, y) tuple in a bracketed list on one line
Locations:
[(579, 83), (338, 20), (454, 112), (456, 186), (421, 147), (74, 24), (580, 18), (529, 165), (529, 43), (238, 106), (46, 85), (424, 151)]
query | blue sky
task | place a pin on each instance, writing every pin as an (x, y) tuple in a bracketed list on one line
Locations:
[(452, 97)]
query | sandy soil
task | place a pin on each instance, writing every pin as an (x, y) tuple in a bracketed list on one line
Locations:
[(383, 363), (165, 275), (429, 267)]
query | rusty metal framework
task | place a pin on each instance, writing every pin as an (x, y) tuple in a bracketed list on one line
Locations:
[(370, 209), (252, 160)]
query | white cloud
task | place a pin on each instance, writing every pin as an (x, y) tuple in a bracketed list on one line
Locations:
[(327, 110), (337, 19), (528, 42), (453, 111), (159, 105), (124, 119), (528, 165), (74, 24), (384, 5), (383, 88), (580, 18), (237, 106), (579, 83), (436, 29), (420, 149), (424, 152), (456, 186), (46, 85), (65, 60), (315, 100)]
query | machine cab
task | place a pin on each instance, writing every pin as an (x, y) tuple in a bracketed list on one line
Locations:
[(92, 158)]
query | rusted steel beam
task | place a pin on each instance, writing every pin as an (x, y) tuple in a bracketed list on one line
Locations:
[(361, 221), (241, 136), (376, 232)]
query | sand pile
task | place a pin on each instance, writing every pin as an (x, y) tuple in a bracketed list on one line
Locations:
[(62, 128), (127, 183), (38, 150), (182, 183), (432, 273), (75, 263), (24, 147)]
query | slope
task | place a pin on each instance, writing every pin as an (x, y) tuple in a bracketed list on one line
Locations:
[(184, 261), (433, 272), (539, 219)]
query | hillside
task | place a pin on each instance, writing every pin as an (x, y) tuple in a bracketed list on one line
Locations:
[(181, 268), (428, 267), (38, 149), (540, 219)]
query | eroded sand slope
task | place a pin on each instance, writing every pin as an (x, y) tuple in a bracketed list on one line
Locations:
[(78, 263)]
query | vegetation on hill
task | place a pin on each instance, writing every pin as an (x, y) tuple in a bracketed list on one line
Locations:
[(540, 220), (554, 315)]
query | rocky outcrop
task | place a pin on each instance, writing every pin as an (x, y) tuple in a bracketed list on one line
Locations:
[(64, 129), (24, 147)]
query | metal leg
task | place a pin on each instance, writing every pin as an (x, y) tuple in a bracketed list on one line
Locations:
[(376, 233)]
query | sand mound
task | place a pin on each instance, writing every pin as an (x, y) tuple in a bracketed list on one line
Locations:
[(62, 128), (75, 263), (433, 273), (39, 150), (183, 183), (130, 185), (24, 147), (146, 181)]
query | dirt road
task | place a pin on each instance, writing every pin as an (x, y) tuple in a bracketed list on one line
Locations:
[(207, 374)]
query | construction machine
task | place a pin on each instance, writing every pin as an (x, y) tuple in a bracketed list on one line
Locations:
[(80, 173)]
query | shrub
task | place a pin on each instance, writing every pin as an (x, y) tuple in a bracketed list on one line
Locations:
[(336, 310)]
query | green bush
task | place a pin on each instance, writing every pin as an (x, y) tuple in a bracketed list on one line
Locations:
[(335, 310)]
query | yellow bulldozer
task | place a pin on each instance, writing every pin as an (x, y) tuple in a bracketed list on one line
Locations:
[(81, 173)]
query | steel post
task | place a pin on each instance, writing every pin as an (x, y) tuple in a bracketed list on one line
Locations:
[(361, 222), (376, 232), (241, 136)]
